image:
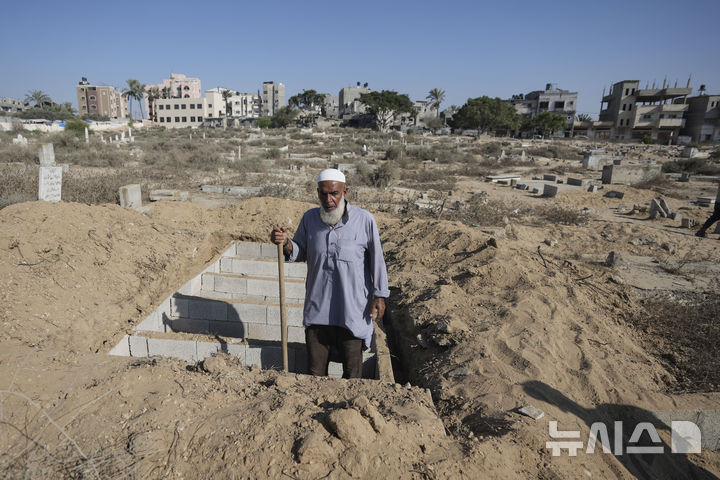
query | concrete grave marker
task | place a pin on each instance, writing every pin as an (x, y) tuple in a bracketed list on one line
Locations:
[(239, 152), (50, 184), (46, 154), (131, 196), (87, 135), (20, 140)]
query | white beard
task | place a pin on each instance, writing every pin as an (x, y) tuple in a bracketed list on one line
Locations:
[(332, 217)]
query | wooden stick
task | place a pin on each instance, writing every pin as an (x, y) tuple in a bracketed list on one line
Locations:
[(283, 321)]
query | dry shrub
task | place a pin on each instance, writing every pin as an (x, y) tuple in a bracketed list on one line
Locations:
[(686, 337), (557, 214), (97, 189), (18, 185)]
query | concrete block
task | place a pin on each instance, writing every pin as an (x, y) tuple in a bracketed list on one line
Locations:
[(266, 357), (296, 334), (687, 222), (213, 188), (182, 349), (247, 313), (228, 329), (207, 309), (550, 178), (208, 282), (629, 174), (268, 250), (255, 268), (550, 190), (226, 264), (138, 346), (293, 315), (576, 181), (677, 216), (248, 250), (192, 287), (664, 206), (122, 348), (189, 325), (294, 289), (206, 349), (257, 331), (131, 196), (335, 369), (152, 323), (234, 350), (179, 307), (592, 188), (230, 284)]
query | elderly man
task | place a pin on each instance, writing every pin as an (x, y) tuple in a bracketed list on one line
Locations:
[(346, 284)]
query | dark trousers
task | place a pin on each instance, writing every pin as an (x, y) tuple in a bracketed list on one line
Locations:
[(320, 339), (713, 218)]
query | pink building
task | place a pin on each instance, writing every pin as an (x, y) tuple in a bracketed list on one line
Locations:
[(177, 86)]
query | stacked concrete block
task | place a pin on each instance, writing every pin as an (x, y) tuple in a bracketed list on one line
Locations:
[(234, 297), (550, 190), (579, 182), (550, 178)]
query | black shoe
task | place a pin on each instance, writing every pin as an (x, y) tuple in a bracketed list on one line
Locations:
[(701, 233)]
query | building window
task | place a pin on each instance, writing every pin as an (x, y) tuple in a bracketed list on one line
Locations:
[(192, 119), (184, 119), (160, 107), (176, 106), (199, 119), (627, 91), (633, 92), (82, 98), (192, 105), (162, 119), (184, 106), (209, 105), (93, 107), (559, 105), (623, 109), (544, 105), (186, 96), (177, 119), (92, 97)]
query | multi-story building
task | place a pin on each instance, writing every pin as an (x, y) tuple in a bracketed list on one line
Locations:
[(349, 101), (552, 99), (178, 85), (11, 105), (181, 112), (242, 105), (702, 119), (102, 100), (629, 112), (273, 97), (330, 107)]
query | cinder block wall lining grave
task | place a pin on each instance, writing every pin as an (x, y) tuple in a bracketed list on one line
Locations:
[(236, 299)]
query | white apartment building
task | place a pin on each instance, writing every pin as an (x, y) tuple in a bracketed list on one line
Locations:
[(273, 97), (181, 112), (242, 105)]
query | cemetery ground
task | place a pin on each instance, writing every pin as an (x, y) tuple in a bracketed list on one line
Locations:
[(501, 298)]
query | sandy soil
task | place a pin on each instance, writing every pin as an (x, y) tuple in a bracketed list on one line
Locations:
[(485, 323)]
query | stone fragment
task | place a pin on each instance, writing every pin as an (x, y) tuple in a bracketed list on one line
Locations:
[(532, 412), (614, 259), (458, 372), (592, 188)]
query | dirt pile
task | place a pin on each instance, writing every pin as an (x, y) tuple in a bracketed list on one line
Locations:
[(488, 322)]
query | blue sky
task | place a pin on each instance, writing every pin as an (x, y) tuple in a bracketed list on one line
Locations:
[(467, 48)]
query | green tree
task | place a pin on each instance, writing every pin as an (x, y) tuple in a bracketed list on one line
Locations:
[(134, 91), (436, 96), (264, 122), (385, 105), (547, 123), (77, 126), (283, 117), (226, 94), (486, 114), (306, 102), (39, 98), (153, 93)]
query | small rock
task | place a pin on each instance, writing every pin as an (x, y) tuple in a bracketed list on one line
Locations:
[(614, 259), (669, 247), (551, 242), (532, 412), (458, 372), (616, 279)]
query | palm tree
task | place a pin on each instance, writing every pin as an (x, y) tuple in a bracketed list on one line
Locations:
[(38, 97), (135, 90), (153, 93), (225, 95), (436, 96)]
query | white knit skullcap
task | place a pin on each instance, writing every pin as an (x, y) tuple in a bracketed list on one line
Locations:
[(331, 175)]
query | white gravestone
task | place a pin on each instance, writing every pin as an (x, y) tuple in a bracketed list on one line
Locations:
[(87, 135), (131, 196), (239, 152), (46, 154), (50, 184)]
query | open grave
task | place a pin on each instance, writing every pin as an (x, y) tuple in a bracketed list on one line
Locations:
[(234, 305)]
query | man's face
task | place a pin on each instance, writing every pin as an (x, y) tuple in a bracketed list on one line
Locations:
[(330, 193)]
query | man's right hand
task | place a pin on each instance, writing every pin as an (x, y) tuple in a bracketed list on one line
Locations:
[(278, 236)]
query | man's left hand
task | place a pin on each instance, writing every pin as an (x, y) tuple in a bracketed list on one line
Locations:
[(378, 309)]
